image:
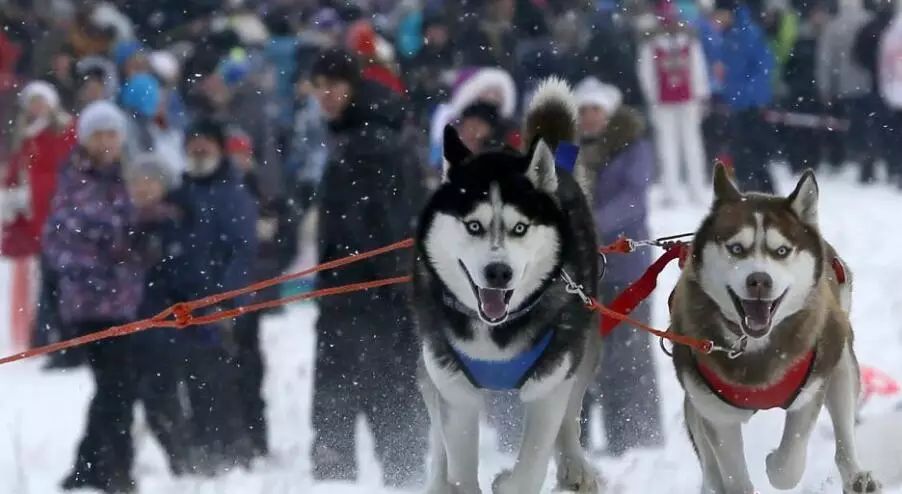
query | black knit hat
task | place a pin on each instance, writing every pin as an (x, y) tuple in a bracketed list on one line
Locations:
[(486, 112), (336, 63), (206, 127)]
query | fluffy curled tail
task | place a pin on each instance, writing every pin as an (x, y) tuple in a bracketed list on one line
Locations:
[(551, 114)]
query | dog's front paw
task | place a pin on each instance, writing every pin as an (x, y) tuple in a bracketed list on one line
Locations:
[(504, 483), (578, 477), (784, 471), (863, 483)]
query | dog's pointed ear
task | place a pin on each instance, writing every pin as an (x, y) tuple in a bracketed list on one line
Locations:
[(724, 188), (803, 199), (541, 171), (453, 149)]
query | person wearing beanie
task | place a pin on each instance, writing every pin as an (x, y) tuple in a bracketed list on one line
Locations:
[(674, 80), (221, 246), (366, 351), (620, 159), (88, 243), (149, 129), (232, 87), (43, 138)]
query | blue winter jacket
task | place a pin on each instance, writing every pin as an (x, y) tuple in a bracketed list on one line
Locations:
[(748, 62), (221, 236)]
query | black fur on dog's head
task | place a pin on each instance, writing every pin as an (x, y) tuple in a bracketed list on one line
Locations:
[(494, 231)]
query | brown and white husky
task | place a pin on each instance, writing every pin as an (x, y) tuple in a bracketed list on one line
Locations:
[(763, 282)]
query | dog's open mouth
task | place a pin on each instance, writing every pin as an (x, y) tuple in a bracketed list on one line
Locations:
[(494, 304), (757, 314)]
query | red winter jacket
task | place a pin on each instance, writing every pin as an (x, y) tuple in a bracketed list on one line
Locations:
[(37, 161)]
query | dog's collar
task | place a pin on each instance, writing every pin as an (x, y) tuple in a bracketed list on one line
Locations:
[(503, 375), (779, 394)]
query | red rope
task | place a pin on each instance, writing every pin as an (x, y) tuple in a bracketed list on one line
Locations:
[(181, 315)]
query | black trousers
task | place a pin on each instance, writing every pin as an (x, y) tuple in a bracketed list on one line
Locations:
[(126, 371), (105, 453), (366, 364), (751, 138), (249, 367), (626, 387), (216, 419)]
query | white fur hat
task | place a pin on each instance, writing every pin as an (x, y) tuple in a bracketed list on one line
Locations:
[(473, 81), (592, 92), (40, 89), (165, 65), (100, 115)]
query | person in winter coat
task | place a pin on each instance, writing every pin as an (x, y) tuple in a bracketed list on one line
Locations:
[(474, 85), (221, 248), (366, 352), (277, 240), (426, 73), (866, 50), (158, 360), (889, 70), (87, 241), (43, 138), (674, 81), (745, 67), (803, 146), (232, 90), (621, 161)]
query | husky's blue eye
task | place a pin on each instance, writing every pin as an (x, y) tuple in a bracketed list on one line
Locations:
[(782, 251), (736, 249), (474, 227), (520, 229)]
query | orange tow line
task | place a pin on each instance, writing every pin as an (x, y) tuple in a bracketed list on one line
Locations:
[(181, 315)]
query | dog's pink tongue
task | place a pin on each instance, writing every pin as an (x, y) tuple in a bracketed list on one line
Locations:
[(493, 304), (757, 314)]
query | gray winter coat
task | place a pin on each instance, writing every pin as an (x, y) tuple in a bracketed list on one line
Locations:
[(836, 73)]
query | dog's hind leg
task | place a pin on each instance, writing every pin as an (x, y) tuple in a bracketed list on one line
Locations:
[(842, 399), (712, 481), (574, 473), (543, 423), (786, 464)]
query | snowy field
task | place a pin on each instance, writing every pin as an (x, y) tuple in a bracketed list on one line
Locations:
[(42, 414)]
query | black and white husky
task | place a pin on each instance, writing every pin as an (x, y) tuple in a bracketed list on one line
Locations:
[(493, 245)]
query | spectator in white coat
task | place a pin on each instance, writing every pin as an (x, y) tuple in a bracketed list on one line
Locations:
[(674, 80)]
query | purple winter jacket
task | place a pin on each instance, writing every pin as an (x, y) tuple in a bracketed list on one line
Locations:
[(87, 241), (623, 162)]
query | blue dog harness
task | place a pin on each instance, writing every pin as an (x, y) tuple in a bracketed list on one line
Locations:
[(503, 375)]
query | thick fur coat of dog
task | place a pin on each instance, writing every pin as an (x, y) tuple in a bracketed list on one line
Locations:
[(492, 310), (763, 282)]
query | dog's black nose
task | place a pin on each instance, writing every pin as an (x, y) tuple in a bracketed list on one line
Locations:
[(498, 275), (759, 284)]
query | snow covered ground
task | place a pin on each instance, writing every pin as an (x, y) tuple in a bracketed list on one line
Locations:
[(42, 414)]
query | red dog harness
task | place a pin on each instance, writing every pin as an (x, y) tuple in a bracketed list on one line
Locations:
[(779, 394)]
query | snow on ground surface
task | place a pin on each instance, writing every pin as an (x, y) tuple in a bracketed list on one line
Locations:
[(42, 414)]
